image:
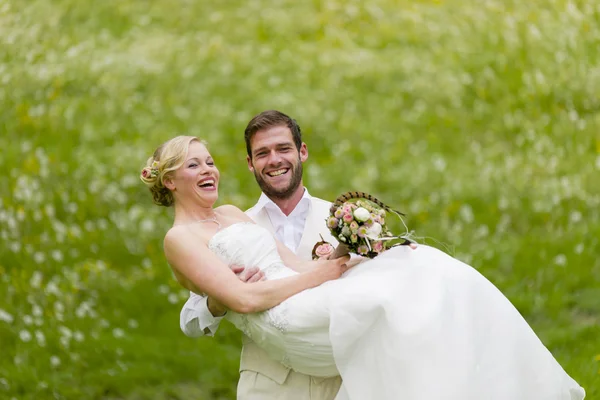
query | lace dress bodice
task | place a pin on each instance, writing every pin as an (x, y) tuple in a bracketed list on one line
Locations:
[(248, 244)]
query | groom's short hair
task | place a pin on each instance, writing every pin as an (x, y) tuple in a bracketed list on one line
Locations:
[(268, 119)]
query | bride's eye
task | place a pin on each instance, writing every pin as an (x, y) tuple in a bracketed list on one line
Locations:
[(192, 165)]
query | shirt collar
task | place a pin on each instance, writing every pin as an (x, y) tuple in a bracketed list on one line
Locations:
[(264, 201)]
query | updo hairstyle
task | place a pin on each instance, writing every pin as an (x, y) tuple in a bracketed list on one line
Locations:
[(167, 158)]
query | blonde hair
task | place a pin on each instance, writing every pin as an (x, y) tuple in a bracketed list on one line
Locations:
[(168, 157)]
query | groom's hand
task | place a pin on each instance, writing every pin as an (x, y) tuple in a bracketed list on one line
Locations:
[(248, 275)]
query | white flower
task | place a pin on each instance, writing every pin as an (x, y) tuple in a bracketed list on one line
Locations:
[(374, 231), (362, 214), (79, 336), (25, 335), (37, 310), (36, 280), (6, 317), (118, 333), (41, 339), (54, 361)]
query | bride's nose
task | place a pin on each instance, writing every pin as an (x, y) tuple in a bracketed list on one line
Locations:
[(204, 169)]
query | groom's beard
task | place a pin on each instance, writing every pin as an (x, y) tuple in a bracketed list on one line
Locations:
[(286, 192)]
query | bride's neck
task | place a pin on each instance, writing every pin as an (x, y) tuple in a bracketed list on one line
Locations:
[(187, 213)]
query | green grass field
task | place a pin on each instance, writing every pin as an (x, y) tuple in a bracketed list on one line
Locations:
[(479, 119)]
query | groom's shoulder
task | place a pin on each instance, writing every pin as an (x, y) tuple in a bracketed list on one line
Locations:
[(320, 202), (320, 206)]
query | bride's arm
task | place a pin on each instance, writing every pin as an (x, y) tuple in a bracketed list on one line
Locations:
[(291, 260), (200, 270)]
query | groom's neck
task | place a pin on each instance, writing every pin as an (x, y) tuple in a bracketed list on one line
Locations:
[(289, 203)]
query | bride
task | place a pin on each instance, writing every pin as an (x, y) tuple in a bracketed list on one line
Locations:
[(409, 324)]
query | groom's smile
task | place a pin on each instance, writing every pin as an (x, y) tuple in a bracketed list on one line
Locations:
[(279, 172)]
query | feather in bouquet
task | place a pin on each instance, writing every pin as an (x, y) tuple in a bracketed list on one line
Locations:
[(357, 221)]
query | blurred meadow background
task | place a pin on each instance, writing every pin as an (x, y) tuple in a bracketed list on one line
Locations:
[(479, 119)]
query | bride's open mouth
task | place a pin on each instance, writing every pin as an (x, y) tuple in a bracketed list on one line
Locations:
[(207, 184)]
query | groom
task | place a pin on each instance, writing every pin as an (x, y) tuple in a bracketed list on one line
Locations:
[(275, 156)]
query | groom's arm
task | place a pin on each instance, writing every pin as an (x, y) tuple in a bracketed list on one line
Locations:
[(201, 315), (196, 319)]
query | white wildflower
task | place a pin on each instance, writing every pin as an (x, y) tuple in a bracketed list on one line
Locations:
[(39, 257), (163, 289), (6, 317), (24, 335), (118, 333), (54, 361), (41, 339), (36, 280), (57, 255), (561, 260)]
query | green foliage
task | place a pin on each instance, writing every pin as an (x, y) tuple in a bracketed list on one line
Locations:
[(479, 119)]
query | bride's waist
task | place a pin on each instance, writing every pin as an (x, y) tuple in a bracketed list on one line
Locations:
[(277, 270)]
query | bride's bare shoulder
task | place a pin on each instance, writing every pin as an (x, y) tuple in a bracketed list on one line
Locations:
[(182, 235), (231, 211)]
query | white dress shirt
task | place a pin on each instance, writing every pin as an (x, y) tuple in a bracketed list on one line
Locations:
[(288, 228)]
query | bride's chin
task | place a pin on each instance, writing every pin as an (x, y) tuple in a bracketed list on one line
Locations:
[(210, 197)]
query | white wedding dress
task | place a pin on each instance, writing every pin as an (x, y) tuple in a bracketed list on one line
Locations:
[(410, 325)]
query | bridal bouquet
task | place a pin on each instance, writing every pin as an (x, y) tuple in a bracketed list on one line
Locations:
[(357, 221)]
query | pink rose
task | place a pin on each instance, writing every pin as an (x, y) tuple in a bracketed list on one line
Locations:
[(348, 217), (354, 226), (378, 247), (324, 250)]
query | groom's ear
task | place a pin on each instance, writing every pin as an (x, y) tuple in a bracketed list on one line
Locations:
[(303, 152), (250, 166)]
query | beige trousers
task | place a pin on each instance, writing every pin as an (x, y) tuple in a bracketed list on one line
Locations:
[(262, 378)]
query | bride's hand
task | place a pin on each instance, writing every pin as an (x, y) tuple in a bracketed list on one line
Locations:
[(332, 269)]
